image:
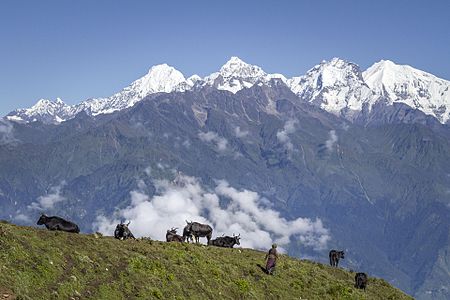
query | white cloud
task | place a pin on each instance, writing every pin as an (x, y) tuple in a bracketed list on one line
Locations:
[(240, 133), (212, 137), (148, 171), (331, 140), (48, 201), (187, 143), (246, 213), (22, 218), (345, 126), (283, 135), (162, 166), (6, 132)]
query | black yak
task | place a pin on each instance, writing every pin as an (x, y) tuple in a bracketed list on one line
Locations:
[(122, 232), (335, 256), (199, 230), (57, 223), (361, 281)]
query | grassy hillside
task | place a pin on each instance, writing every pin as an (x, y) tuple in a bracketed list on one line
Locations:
[(39, 264)]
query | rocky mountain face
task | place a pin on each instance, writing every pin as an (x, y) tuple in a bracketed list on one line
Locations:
[(374, 173)]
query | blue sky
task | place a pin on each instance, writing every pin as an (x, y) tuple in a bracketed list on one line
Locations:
[(81, 49)]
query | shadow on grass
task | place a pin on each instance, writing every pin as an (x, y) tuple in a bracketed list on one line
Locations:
[(262, 268)]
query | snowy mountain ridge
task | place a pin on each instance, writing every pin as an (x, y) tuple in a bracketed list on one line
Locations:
[(337, 86), (415, 88)]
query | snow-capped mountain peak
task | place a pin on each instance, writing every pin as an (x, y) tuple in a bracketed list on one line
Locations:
[(416, 88), (46, 110), (236, 67), (236, 75), (336, 86), (45, 103), (160, 78)]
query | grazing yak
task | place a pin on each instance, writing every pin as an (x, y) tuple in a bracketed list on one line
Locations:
[(226, 241), (122, 231), (57, 223), (361, 281), (187, 235), (199, 230), (172, 236), (335, 256)]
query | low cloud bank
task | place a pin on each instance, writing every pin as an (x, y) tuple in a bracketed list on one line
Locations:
[(47, 202), (245, 213)]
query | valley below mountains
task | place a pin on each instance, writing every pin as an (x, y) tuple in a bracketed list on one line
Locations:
[(338, 158)]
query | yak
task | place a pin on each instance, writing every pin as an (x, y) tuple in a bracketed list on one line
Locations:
[(57, 223), (334, 256), (122, 231), (226, 241), (199, 230), (361, 281), (187, 235), (172, 236)]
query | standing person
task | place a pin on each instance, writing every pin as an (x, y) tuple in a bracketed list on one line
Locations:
[(271, 257)]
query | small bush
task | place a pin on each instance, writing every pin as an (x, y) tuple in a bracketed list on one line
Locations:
[(170, 277), (243, 285)]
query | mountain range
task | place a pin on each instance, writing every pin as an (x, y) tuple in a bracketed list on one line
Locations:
[(337, 158), (337, 86)]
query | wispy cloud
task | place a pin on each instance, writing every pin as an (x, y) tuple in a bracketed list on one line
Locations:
[(6, 132), (48, 201), (240, 133), (283, 135), (245, 213), (219, 142), (187, 143), (333, 138)]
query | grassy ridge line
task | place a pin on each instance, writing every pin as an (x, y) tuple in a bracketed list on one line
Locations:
[(39, 264)]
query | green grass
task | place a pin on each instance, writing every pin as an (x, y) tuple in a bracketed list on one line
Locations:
[(40, 264)]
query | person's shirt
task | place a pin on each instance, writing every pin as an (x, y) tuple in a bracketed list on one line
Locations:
[(272, 253)]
